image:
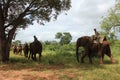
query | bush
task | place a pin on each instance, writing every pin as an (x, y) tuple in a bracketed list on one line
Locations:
[(63, 54)]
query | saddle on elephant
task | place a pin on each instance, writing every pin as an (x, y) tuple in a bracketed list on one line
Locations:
[(98, 39)]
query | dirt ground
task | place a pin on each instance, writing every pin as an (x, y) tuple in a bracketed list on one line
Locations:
[(39, 72), (27, 74)]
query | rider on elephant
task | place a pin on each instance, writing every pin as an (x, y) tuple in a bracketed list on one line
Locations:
[(97, 35), (35, 39), (99, 38)]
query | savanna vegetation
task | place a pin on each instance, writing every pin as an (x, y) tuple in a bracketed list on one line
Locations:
[(59, 63), (58, 58)]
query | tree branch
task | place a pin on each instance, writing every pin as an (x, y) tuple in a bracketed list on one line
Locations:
[(11, 33), (6, 6), (15, 22), (2, 33), (31, 4), (3, 2), (32, 11), (1, 17), (27, 11)]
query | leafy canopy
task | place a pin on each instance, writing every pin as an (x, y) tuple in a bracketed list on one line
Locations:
[(111, 21), (65, 38), (20, 13)]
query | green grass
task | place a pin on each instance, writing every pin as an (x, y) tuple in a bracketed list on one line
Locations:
[(64, 64)]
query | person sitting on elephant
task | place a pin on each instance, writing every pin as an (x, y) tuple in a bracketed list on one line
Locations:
[(35, 39), (97, 35)]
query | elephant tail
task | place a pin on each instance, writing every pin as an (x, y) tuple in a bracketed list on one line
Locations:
[(77, 54)]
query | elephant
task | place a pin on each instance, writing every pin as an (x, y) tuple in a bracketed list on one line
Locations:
[(105, 49), (91, 47), (35, 47), (17, 49), (26, 49), (14, 49), (86, 43)]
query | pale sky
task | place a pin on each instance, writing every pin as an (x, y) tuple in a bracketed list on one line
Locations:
[(81, 19)]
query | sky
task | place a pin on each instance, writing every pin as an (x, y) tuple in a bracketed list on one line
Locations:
[(81, 19)]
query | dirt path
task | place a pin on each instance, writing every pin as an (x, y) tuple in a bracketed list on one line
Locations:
[(8, 72), (27, 75)]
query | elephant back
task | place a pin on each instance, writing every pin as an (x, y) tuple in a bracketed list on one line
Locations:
[(85, 41), (36, 47)]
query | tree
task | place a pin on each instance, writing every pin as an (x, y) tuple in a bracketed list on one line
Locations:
[(16, 42), (112, 20), (65, 38), (58, 35), (16, 14)]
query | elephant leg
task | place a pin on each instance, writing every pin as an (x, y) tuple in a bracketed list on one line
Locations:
[(40, 56), (108, 53), (29, 55), (111, 57), (90, 58), (32, 56), (35, 59), (112, 60), (101, 58), (26, 54), (83, 56), (77, 54)]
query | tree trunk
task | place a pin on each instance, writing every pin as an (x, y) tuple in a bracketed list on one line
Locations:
[(0, 50), (4, 50), (7, 32), (5, 45), (5, 40), (2, 36)]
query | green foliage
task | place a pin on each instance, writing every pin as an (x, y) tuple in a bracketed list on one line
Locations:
[(63, 64), (58, 35), (115, 48), (111, 21), (51, 45), (62, 55), (27, 11), (16, 42), (65, 38)]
